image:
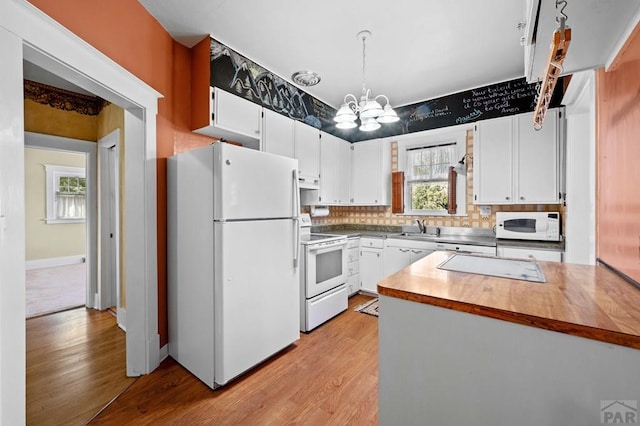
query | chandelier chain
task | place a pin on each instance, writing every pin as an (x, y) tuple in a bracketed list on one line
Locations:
[(364, 61)]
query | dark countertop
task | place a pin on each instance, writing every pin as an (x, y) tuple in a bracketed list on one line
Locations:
[(469, 236)]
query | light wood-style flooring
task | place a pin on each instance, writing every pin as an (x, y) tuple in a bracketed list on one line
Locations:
[(55, 289), (329, 377), (75, 366)]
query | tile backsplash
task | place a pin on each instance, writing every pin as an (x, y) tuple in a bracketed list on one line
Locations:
[(381, 215)]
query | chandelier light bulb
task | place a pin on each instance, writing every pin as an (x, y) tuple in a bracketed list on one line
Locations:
[(368, 109)]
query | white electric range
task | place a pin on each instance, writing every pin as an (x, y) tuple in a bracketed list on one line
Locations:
[(323, 276)]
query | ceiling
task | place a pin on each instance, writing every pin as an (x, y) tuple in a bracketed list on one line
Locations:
[(418, 50)]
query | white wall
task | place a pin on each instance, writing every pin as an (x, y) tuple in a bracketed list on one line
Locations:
[(580, 211)]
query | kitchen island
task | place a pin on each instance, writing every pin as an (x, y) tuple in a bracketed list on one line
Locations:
[(460, 348)]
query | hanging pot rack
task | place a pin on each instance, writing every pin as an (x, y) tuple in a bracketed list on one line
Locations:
[(557, 53)]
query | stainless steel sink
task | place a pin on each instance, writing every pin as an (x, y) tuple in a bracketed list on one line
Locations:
[(418, 235)]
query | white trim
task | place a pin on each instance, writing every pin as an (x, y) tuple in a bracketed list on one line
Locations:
[(52, 172), (633, 22), (164, 352), (12, 234), (54, 261), (457, 135), (109, 296), (48, 44)]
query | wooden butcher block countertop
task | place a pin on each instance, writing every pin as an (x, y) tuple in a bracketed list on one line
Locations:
[(581, 300)]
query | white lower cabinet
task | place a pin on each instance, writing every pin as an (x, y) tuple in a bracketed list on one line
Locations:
[(371, 263), (530, 253), (353, 265), (400, 253)]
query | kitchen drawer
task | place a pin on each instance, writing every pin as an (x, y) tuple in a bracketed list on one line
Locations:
[(353, 268), (372, 242), (353, 255), (528, 253), (353, 243)]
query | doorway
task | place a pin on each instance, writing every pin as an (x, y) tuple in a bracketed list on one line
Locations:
[(56, 231), (56, 49)]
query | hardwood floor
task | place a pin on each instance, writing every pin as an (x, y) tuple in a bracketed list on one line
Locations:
[(75, 366), (329, 377)]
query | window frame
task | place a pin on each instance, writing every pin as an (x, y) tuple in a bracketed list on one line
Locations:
[(53, 175), (432, 139)]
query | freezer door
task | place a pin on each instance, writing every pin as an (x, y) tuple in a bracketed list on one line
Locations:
[(250, 184), (256, 294)]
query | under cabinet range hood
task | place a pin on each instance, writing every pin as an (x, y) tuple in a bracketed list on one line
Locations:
[(308, 183)]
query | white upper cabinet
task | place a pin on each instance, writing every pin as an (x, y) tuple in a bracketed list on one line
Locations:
[(307, 151), (335, 175), (371, 172), (492, 162), (538, 160), (328, 168), (233, 118), (514, 164), (277, 134), (343, 182)]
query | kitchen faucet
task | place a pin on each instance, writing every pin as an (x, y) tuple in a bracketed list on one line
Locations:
[(421, 227)]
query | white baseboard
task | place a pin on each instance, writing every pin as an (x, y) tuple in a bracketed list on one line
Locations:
[(122, 318), (54, 261), (164, 352)]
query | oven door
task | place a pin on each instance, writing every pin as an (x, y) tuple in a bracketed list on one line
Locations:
[(326, 267)]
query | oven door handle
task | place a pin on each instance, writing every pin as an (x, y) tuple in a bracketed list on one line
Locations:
[(326, 247)]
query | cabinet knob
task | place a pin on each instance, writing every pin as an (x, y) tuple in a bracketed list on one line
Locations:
[(506, 198), (522, 198)]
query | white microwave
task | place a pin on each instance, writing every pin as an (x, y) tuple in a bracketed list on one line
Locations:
[(539, 226)]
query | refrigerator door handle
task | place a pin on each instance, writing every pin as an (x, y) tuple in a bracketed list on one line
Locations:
[(296, 217)]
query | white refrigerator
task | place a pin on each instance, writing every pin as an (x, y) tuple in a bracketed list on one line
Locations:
[(233, 247)]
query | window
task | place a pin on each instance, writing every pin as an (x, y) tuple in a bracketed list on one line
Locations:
[(426, 171), (66, 194)]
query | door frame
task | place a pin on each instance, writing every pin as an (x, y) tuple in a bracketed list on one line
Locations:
[(77, 146), (109, 246), (26, 33)]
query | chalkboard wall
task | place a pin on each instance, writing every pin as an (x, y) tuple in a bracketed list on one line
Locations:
[(236, 74)]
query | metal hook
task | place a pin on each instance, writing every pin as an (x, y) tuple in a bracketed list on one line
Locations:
[(564, 15)]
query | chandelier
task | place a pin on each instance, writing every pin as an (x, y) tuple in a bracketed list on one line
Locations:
[(368, 110)]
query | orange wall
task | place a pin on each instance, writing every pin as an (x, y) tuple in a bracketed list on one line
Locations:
[(618, 156), (128, 34)]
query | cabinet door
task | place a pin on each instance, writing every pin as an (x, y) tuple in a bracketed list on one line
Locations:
[(307, 150), (396, 258), (343, 181), (236, 114), (277, 134), (492, 162), (328, 168), (371, 269), (365, 170), (537, 160)]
